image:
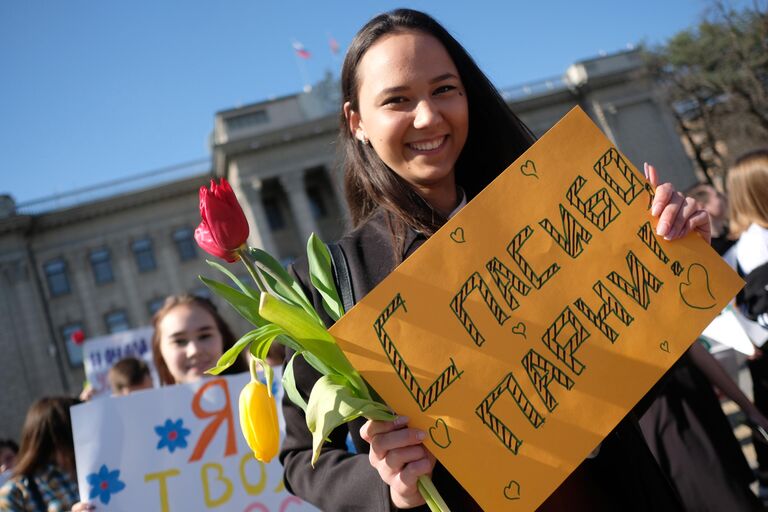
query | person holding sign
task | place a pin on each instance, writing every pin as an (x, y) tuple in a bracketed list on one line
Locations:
[(422, 132), (190, 336), (44, 476)]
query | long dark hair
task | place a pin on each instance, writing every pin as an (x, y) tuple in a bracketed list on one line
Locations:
[(46, 437), (227, 336), (496, 136)]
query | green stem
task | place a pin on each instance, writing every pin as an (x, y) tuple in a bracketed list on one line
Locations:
[(243, 252), (252, 367), (431, 495)]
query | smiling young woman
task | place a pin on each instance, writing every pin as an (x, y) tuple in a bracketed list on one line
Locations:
[(189, 337), (422, 131), (413, 111)]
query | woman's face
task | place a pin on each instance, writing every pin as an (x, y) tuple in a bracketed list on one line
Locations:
[(190, 342), (412, 108)]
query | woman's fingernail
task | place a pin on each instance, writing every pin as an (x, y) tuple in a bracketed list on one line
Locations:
[(662, 228), (420, 435), (645, 169), (401, 420), (655, 209)]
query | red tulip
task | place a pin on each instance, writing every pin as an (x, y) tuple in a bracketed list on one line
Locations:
[(223, 228), (78, 337)]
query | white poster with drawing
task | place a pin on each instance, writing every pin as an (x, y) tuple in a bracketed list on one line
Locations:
[(175, 449)]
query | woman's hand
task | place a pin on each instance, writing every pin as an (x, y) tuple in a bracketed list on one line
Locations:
[(678, 215), (399, 457)]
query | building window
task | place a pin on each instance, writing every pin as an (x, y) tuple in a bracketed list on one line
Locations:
[(145, 257), (154, 305), (247, 120), (101, 263), (316, 202), (116, 321), (274, 213), (57, 278), (185, 244), (74, 350)]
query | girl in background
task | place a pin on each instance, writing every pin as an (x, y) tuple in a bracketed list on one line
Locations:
[(189, 338), (748, 212), (44, 477)]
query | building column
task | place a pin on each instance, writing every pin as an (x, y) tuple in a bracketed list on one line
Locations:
[(293, 184), (261, 236), (168, 261), (126, 278), (82, 288)]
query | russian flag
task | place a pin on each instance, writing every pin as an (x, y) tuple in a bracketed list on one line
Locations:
[(334, 45), (300, 50)]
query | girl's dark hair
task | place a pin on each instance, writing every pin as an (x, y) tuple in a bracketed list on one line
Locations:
[(227, 337), (46, 437), (496, 137)]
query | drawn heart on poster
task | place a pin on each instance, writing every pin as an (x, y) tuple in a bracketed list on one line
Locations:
[(439, 434), (519, 329), (512, 490), (695, 290), (529, 169), (457, 235), (664, 345)]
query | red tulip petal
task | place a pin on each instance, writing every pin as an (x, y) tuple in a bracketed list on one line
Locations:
[(208, 244)]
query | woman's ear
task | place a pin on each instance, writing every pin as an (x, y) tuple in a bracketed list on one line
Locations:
[(354, 123)]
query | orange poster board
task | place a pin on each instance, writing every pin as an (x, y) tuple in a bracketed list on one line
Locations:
[(525, 329)]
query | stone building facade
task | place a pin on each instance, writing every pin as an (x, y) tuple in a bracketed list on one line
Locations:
[(105, 265)]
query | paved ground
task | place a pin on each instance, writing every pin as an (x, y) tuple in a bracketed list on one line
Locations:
[(742, 432)]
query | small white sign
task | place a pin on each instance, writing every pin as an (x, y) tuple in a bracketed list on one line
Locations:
[(101, 353)]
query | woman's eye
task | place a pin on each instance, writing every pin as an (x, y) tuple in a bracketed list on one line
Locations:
[(180, 341), (394, 100), (445, 88)]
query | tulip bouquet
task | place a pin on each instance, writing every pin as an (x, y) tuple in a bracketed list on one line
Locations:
[(282, 313)]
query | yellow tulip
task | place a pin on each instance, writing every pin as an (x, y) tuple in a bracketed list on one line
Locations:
[(258, 420)]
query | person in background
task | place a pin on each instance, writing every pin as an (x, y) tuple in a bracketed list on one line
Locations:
[(189, 338), (44, 478), (716, 204), (128, 375), (8, 451), (748, 213), (422, 132)]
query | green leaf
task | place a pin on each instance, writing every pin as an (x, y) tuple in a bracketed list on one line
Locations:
[(283, 283), (228, 358), (333, 402), (266, 335), (311, 334), (261, 337), (243, 304), (289, 385), (254, 294), (321, 275)]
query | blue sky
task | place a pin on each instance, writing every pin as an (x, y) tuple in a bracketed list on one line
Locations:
[(98, 90)]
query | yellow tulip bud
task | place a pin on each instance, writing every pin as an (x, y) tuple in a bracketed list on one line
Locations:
[(258, 420)]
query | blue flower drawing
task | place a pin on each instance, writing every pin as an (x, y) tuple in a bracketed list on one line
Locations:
[(172, 435), (104, 484)]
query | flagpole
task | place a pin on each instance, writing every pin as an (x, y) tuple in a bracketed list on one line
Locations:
[(302, 68)]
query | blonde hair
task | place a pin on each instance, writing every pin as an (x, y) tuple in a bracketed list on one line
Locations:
[(748, 192)]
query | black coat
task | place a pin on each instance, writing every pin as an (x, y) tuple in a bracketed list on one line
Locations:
[(624, 476)]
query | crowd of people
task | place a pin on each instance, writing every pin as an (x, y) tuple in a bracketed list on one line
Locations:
[(422, 132)]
